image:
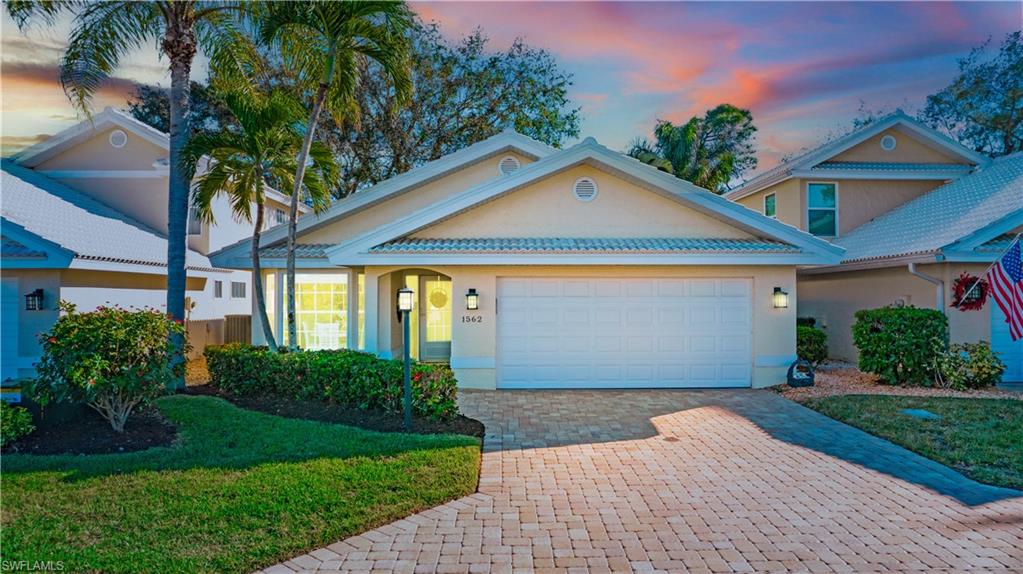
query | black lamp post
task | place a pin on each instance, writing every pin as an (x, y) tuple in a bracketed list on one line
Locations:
[(406, 300)]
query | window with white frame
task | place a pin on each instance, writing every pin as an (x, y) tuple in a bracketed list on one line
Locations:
[(321, 309), (822, 209), (218, 289), (237, 290), (770, 205)]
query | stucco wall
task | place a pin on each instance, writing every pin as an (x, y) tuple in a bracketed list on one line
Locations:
[(410, 201), (548, 208), (31, 323), (833, 299), (474, 345), (908, 149), (859, 200), (97, 153), (789, 202)]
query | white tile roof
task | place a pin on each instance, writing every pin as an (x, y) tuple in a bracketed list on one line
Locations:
[(943, 216), (584, 244), (80, 224)]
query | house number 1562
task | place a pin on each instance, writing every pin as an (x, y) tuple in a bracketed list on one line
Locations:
[(472, 318)]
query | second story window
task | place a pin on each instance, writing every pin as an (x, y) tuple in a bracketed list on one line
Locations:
[(237, 290), (822, 209), (218, 289), (770, 205)]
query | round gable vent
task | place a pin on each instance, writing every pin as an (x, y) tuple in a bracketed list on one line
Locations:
[(585, 189), (888, 143), (508, 165), (118, 138)]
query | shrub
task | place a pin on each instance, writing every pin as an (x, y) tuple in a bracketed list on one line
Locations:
[(345, 377), (900, 344), (968, 366), (811, 345), (15, 422), (114, 360)]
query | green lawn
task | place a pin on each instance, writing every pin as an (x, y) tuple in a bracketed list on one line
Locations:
[(238, 491), (981, 438)]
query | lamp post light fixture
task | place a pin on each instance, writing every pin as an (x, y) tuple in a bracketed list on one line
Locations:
[(472, 300), (780, 298), (406, 301), (34, 301)]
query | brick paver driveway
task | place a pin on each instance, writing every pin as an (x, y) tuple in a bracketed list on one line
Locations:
[(699, 481)]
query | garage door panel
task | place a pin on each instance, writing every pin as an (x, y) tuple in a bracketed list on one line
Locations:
[(648, 332), (1009, 352), (703, 287)]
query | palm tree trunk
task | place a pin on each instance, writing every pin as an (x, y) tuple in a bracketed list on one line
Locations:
[(179, 45), (257, 279), (314, 117)]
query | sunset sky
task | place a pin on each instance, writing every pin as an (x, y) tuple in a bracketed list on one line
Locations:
[(802, 68)]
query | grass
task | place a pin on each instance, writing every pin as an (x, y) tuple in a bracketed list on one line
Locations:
[(239, 490), (981, 438)]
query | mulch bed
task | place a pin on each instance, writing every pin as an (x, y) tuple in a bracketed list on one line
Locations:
[(836, 378), (89, 433), (338, 414)]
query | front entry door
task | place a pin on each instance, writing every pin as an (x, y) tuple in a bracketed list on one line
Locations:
[(434, 318)]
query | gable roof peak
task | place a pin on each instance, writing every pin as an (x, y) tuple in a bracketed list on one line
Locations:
[(829, 149)]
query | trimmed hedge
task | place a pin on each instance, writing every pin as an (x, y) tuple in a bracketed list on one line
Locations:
[(15, 422), (345, 377), (811, 344), (969, 366), (900, 344)]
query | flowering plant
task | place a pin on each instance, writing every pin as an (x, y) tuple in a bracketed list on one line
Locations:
[(115, 360)]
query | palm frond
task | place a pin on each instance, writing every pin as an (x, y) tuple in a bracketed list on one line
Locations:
[(104, 32)]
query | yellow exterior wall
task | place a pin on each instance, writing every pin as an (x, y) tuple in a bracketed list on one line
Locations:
[(907, 149), (548, 208), (773, 329), (859, 200), (97, 153), (408, 202), (833, 299), (789, 202)]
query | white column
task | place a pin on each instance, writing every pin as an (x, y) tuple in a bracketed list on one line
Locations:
[(278, 304), (372, 311), (353, 309)]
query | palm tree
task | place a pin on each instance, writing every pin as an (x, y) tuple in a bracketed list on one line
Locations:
[(104, 32), (324, 43), (708, 151), (241, 161)]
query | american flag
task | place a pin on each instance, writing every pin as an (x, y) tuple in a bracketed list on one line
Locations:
[(1006, 279)]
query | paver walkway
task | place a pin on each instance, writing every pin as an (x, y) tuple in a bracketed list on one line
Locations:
[(690, 481)]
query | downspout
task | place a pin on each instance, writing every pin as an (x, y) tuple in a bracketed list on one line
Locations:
[(938, 283)]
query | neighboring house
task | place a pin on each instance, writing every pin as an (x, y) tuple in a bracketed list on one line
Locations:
[(84, 219), (914, 210), (590, 269)]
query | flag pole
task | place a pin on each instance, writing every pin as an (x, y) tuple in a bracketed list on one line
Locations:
[(995, 262)]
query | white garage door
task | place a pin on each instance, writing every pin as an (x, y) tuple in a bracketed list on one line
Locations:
[(580, 333), (1009, 351)]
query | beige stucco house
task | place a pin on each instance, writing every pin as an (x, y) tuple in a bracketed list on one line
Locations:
[(914, 210), (84, 220), (591, 270)]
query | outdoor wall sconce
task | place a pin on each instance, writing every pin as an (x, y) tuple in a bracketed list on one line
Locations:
[(472, 300), (780, 298), (34, 300)]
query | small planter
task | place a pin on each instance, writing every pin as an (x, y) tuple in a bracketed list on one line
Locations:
[(800, 374)]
